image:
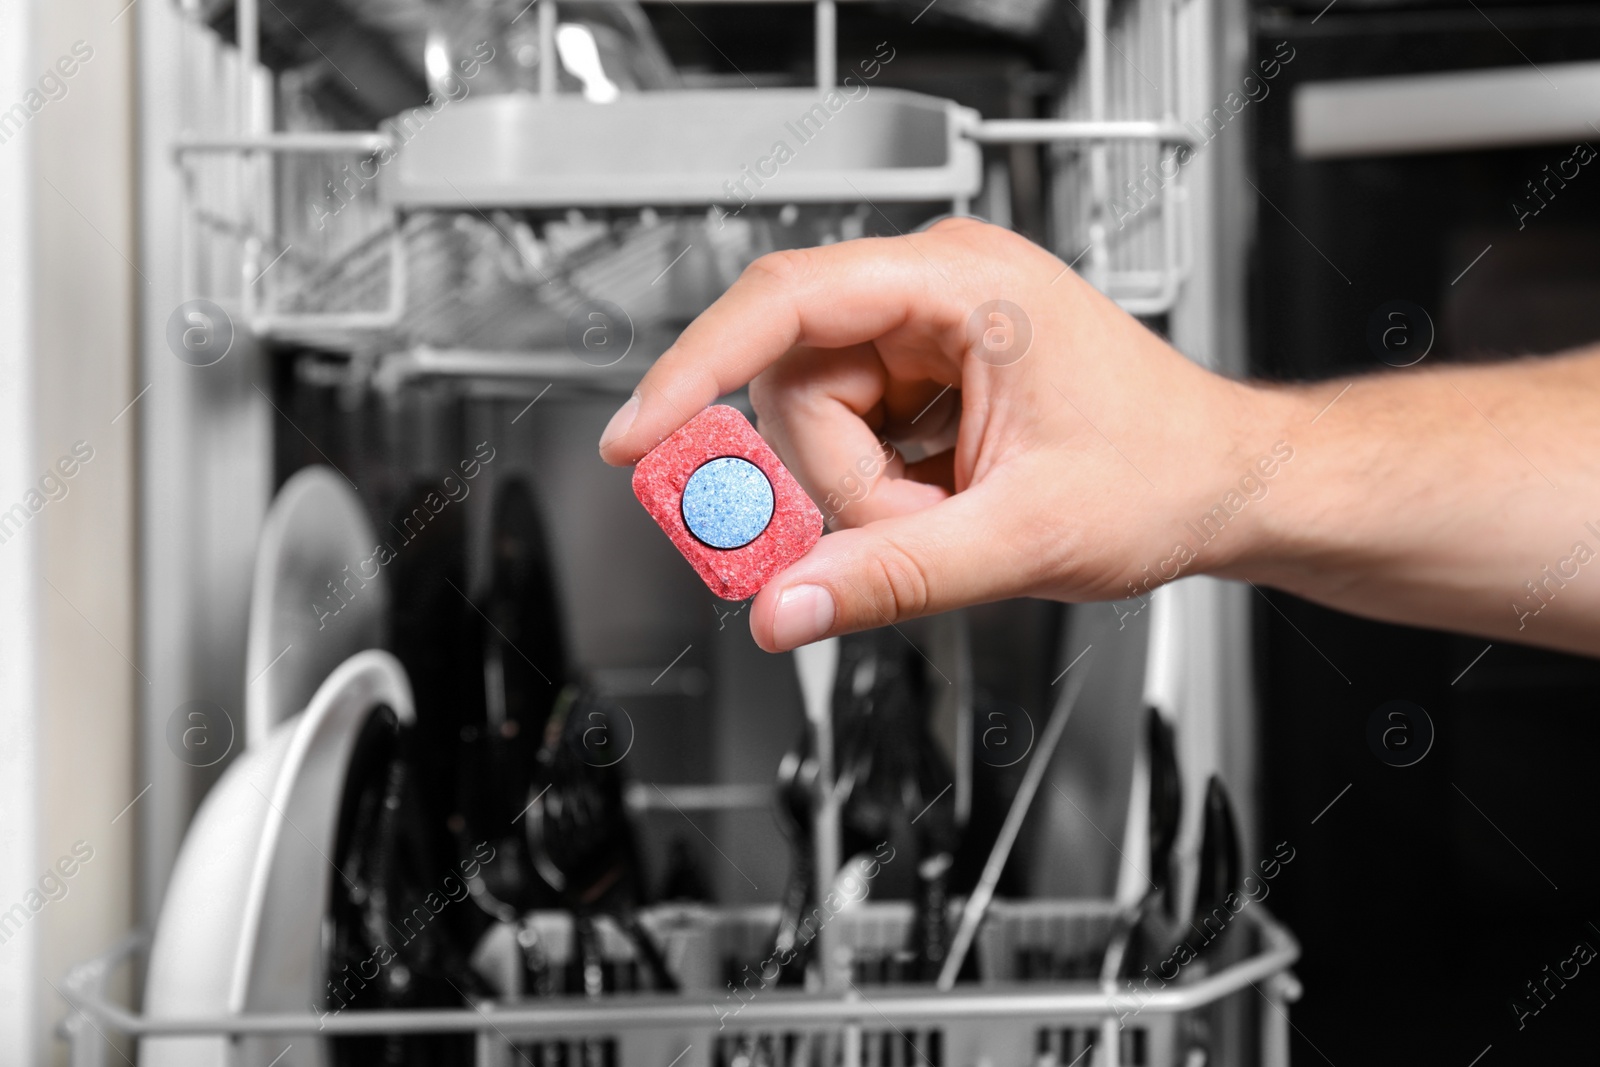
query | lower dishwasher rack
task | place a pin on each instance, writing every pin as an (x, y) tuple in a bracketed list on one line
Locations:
[(1036, 1003)]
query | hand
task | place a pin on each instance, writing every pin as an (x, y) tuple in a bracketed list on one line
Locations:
[(1061, 445)]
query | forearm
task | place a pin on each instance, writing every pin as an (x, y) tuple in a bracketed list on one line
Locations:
[(1464, 498)]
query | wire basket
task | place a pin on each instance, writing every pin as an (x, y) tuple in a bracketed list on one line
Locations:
[(676, 150), (1002, 1020)]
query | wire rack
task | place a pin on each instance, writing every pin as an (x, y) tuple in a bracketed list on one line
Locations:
[(355, 285), (1038, 1002), (1121, 203)]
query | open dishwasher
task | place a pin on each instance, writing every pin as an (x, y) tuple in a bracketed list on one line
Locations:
[(504, 789)]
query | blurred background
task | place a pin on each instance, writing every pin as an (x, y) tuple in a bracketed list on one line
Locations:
[(338, 675)]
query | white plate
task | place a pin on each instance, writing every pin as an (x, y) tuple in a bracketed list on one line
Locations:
[(312, 604), (241, 928)]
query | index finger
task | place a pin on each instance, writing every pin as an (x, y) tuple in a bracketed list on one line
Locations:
[(828, 297)]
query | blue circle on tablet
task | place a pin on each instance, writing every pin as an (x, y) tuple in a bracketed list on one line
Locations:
[(727, 503)]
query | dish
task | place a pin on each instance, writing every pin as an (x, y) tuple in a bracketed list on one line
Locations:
[(242, 922), (317, 597)]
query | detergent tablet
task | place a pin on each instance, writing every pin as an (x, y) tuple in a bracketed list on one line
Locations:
[(727, 502)]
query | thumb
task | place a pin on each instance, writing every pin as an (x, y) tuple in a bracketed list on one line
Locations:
[(952, 554)]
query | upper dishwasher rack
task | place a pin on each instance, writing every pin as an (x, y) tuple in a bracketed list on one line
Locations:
[(847, 141)]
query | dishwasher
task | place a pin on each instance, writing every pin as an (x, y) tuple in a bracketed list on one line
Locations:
[(454, 762)]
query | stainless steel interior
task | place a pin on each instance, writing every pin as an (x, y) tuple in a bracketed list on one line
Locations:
[(393, 318)]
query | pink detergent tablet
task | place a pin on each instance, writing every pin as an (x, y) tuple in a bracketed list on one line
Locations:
[(732, 508)]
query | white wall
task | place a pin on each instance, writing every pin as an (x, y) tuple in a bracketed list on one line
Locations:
[(66, 582), (19, 805)]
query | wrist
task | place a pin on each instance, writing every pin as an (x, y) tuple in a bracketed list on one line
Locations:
[(1238, 522)]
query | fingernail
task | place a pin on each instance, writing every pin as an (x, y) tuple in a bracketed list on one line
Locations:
[(803, 615), (621, 421)]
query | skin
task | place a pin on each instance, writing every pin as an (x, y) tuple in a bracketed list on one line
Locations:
[(1425, 496)]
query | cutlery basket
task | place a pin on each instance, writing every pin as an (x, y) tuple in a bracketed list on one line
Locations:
[(1036, 1002), (718, 957)]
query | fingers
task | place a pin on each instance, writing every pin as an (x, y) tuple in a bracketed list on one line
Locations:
[(829, 297), (817, 407), (812, 406), (958, 552)]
